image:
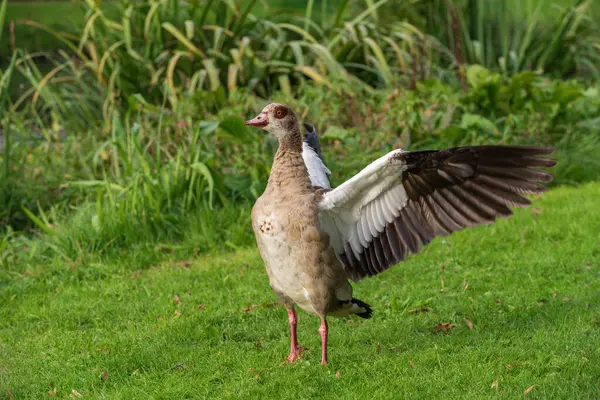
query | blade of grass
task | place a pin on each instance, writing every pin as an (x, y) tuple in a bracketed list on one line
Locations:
[(182, 39), (40, 224), (2, 16)]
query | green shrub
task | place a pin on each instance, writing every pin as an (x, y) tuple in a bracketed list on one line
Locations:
[(192, 182)]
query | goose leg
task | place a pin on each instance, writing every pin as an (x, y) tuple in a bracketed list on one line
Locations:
[(294, 348), (323, 331)]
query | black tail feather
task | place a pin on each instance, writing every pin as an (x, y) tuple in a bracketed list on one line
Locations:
[(367, 314)]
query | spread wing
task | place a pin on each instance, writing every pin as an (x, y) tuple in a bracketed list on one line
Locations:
[(404, 199), (311, 153)]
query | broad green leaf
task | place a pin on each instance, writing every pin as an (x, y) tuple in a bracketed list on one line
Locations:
[(470, 121), (207, 127), (335, 133), (476, 74), (235, 128)]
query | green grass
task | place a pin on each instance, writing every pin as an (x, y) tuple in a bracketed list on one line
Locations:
[(111, 327)]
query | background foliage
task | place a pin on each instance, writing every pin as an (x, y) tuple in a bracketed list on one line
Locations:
[(131, 119)]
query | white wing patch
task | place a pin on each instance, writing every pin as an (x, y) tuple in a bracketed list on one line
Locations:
[(317, 171), (359, 209)]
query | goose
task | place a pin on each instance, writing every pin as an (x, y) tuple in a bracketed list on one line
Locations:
[(314, 239)]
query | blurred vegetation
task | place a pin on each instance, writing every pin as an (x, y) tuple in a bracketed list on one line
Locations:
[(129, 132)]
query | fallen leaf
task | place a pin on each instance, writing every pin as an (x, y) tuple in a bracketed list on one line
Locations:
[(338, 374), (177, 300), (418, 310), (200, 306), (495, 384), (465, 285), (10, 393), (510, 366), (444, 327), (250, 308), (468, 322), (412, 364), (536, 211), (396, 348), (378, 347), (184, 264), (528, 390), (52, 392), (74, 393), (103, 376), (565, 299), (177, 313)]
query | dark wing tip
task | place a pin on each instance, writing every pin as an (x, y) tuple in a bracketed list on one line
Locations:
[(312, 139), (308, 126)]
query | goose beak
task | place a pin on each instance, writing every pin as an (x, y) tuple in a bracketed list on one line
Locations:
[(260, 121)]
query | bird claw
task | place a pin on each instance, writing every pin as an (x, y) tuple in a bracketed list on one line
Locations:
[(294, 355)]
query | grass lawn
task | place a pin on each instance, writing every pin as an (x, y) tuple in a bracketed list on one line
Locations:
[(206, 327)]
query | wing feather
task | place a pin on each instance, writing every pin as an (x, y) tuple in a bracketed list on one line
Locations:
[(311, 153), (403, 200)]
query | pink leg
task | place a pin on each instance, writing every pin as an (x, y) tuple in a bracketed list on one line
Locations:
[(294, 348), (323, 332)]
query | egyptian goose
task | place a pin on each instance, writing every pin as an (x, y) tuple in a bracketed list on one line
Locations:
[(312, 239)]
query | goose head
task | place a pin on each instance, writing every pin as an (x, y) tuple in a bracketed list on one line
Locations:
[(277, 119)]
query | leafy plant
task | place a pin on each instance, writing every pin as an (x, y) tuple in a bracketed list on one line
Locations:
[(514, 36), (164, 51)]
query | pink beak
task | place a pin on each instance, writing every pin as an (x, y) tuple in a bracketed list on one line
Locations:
[(260, 120)]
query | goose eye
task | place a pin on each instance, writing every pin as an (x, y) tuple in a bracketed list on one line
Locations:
[(280, 112)]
